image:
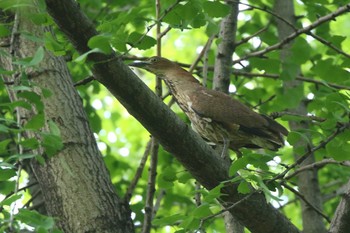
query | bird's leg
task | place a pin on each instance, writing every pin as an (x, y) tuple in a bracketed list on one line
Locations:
[(225, 147)]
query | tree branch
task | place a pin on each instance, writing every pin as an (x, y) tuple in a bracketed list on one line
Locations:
[(147, 221), (340, 222), (318, 165), (176, 137), (305, 30), (299, 77), (310, 152), (306, 201), (138, 173)]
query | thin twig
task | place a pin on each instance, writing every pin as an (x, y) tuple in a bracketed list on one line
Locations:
[(275, 115), (318, 38), (163, 33), (154, 24), (84, 81), (20, 189), (318, 165), (160, 196), (306, 201), (148, 217), (13, 204), (264, 102), (246, 39), (205, 58), (197, 196), (200, 55), (329, 44), (301, 78), (228, 208), (305, 30), (265, 9), (138, 173), (310, 152)]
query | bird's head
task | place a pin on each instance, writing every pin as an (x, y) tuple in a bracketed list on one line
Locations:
[(165, 69), (156, 65)]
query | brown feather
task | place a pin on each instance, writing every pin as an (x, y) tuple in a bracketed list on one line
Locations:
[(215, 115)]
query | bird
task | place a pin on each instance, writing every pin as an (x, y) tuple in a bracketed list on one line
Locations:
[(215, 116)]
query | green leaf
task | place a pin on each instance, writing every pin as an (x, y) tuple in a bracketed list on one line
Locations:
[(212, 28), (216, 9), (169, 220), (290, 71), (190, 223), (54, 128), (141, 41), (301, 51), (34, 219), (237, 165), (32, 97), (294, 137), (4, 128), (4, 31), (202, 211), (267, 65), (51, 143), (6, 174), (38, 18), (46, 92), (15, 104), (81, 59), (243, 187), (214, 193), (36, 122), (6, 187), (4, 144), (10, 200), (339, 147), (101, 42), (183, 177), (38, 57), (16, 157), (6, 72), (166, 178)]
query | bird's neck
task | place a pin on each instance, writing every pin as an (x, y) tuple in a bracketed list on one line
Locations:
[(179, 81), (181, 84)]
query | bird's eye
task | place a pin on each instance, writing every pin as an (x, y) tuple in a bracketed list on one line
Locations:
[(154, 59)]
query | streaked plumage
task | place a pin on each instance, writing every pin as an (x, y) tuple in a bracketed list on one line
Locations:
[(214, 115)]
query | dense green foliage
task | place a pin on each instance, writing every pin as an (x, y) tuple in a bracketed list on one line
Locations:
[(128, 27)]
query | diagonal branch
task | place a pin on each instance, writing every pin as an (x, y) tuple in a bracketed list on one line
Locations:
[(138, 173), (305, 30), (310, 152), (306, 201), (318, 165), (300, 78), (188, 148)]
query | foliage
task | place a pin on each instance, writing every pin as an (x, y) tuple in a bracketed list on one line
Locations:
[(128, 28)]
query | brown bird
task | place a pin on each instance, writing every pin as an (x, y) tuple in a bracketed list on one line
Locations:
[(214, 115)]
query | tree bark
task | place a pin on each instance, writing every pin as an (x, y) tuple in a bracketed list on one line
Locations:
[(175, 136), (226, 48), (75, 183), (307, 181), (222, 74), (341, 220)]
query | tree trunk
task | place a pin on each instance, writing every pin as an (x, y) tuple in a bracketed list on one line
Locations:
[(75, 183), (221, 82), (307, 181), (175, 136), (341, 220)]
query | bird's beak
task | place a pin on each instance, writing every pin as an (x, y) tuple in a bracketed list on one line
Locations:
[(140, 64)]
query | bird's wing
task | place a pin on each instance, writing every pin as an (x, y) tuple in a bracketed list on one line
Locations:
[(222, 108)]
